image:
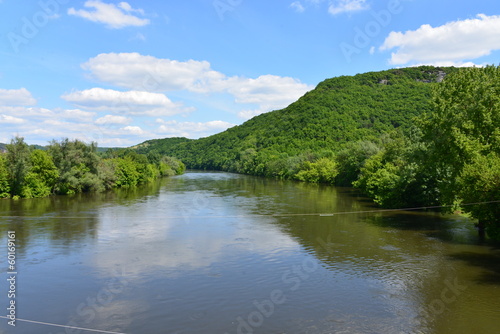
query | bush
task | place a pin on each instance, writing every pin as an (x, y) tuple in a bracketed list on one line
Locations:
[(323, 170)]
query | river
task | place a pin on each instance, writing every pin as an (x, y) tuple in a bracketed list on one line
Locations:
[(209, 252)]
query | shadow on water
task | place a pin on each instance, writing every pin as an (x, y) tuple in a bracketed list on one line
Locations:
[(447, 228), (489, 264)]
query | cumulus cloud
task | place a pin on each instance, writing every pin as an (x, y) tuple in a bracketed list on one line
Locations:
[(7, 119), (269, 92), (113, 16), (77, 115), (40, 125), (113, 119), (135, 130), (347, 6), (136, 71), (16, 97), (37, 113), (191, 129), (453, 43), (451, 64), (130, 102)]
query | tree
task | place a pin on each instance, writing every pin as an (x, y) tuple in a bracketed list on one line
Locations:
[(19, 164), (463, 133), (4, 177), (480, 182), (78, 165), (323, 170), (399, 174), (351, 159), (42, 176), (126, 172)]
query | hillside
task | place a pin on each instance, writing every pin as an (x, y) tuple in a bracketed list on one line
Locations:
[(159, 145), (339, 110)]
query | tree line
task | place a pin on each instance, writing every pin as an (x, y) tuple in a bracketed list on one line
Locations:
[(72, 166)]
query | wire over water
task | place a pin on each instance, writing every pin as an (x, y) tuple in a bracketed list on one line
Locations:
[(64, 326), (276, 214)]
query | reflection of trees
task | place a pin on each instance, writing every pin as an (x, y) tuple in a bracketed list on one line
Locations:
[(64, 220), (268, 196)]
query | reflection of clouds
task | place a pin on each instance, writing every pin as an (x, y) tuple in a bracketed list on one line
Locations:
[(116, 315), (159, 234)]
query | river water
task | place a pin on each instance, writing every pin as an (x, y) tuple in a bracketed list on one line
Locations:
[(210, 252)]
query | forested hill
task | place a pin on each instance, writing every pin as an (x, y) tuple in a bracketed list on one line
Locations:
[(159, 145), (337, 111)]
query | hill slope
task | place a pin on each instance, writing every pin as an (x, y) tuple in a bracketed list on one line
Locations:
[(337, 111)]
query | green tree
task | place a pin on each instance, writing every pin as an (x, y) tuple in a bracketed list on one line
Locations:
[(351, 159), (4, 177), (480, 182), (399, 175), (463, 133), (126, 172), (323, 170), (19, 164), (42, 177), (78, 165)]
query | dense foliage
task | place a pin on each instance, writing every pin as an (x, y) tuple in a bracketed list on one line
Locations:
[(453, 158), (463, 135), (69, 167)]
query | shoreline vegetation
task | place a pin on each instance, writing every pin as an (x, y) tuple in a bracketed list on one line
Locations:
[(71, 166)]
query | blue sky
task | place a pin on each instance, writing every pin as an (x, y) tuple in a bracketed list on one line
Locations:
[(120, 73)]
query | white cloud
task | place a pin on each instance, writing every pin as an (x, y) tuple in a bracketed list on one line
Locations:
[(113, 119), (135, 71), (297, 6), (450, 64), (39, 125), (347, 6), (454, 42), (135, 130), (269, 92), (126, 7), (10, 119), (77, 115), (113, 16), (16, 97), (191, 129), (131, 102)]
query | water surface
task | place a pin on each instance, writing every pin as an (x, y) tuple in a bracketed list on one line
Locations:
[(225, 253)]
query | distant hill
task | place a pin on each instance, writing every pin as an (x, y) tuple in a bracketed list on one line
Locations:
[(160, 145), (337, 111)]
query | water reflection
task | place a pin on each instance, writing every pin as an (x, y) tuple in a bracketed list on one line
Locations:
[(198, 252)]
